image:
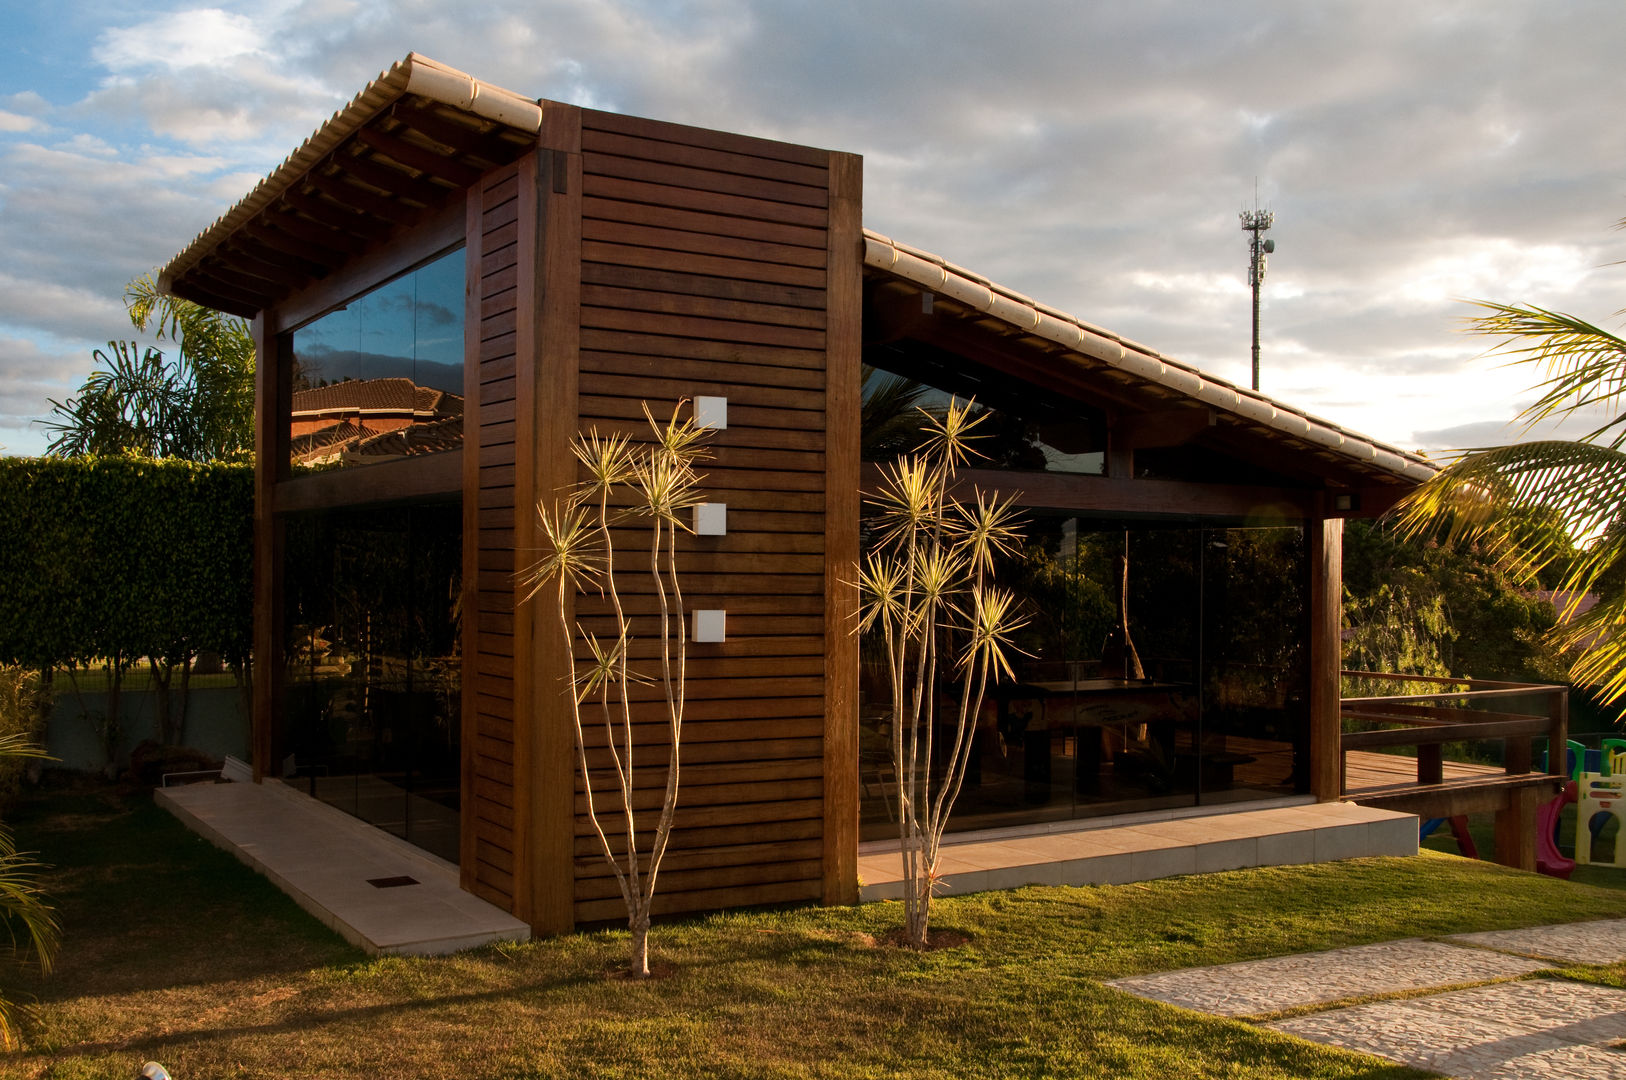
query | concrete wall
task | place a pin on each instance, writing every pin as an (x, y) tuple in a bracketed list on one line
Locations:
[(217, 723)]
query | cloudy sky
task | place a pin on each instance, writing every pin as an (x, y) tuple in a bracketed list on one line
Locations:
[(1092, 155)]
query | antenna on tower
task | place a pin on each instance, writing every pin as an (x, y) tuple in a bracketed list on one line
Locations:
[(1254, 222)]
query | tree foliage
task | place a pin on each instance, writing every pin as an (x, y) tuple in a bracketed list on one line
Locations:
[(120, 558), (1551, 508), (197, 405), (1422, 606)]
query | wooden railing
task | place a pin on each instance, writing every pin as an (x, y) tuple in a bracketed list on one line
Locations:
[(1429, 721)]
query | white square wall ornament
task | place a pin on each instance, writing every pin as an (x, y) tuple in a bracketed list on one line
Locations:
[(711, 519), (710, 625), (711, 413)]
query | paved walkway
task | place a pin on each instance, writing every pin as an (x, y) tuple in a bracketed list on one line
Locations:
[(376, 890), (1511, 1027), (1148, 846)]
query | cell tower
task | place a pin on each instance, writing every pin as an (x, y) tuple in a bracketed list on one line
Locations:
[(1254, 222)]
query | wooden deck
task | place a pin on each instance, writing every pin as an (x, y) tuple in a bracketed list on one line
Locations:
[(1368, 771)]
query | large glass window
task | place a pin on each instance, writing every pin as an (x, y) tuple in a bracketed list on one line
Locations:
[(372, 686), (1164, 667), (382, 377), (1021, 428)]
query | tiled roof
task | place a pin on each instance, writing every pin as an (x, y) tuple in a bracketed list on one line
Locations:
[(397, 395), (1249, 407), (415, 76)]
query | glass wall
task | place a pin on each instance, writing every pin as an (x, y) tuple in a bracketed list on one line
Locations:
[(382, 377), (1021, 429), (373, 682), (1164, 667)]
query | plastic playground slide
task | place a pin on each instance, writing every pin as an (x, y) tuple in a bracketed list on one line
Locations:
[(1549, 860)]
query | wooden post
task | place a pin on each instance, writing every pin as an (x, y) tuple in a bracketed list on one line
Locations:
[(1326, 536), (1430, 763), (548, 333), (270, 462), (1558, 731), (1516, 829), (843, 405), (1516, 754), (473, 250)]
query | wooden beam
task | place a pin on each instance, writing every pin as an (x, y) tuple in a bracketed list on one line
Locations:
[(1326, 603), (320, 257), (1163, 428), (430, 235), (187, 289), (1108, 495), (348, 221), (843, 405), (1453, 797), (418, 157), (455, 136), (470, 602), (396, 182), (352, 197), (402, 478), (332, 245), (208, 279), (548, 336), (270, 458), (1516, 829), (1422, 737)]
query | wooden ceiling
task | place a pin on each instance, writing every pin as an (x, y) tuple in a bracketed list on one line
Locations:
[(381, 179)]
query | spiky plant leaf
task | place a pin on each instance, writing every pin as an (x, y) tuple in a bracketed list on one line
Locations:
[(1585, 365)]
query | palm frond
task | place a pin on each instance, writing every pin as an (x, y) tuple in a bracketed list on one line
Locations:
[(1528, 505), (1585, 365)]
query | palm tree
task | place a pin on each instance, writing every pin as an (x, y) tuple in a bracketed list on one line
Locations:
[(1551, 509), (23, 911)]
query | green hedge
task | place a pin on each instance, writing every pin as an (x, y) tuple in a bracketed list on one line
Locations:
[(103, 557)]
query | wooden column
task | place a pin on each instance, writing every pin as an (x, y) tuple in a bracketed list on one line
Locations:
[(1326, 543), (548, 369), (270, 461), (473, 250), (1516, 828), (843, 405)]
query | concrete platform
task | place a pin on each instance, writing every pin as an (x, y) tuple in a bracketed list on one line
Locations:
[(328, 862), (1140, 850)]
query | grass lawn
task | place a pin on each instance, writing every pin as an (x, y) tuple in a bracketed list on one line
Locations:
[(174, 951)]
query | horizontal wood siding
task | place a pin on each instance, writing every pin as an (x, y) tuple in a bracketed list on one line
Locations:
[(489, 792), (704, 273)]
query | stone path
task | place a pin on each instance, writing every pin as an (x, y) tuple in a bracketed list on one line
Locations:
[(1529, 1028)]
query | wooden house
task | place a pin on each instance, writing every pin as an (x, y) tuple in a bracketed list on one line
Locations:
[(550, 268)]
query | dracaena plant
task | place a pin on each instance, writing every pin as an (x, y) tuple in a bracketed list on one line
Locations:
[(624, 484), (928, 594)]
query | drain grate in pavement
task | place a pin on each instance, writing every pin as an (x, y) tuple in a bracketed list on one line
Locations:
[(391, 882)]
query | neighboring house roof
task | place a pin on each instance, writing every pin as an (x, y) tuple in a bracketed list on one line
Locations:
[(398, 396), (1092, 346), (426, 438)]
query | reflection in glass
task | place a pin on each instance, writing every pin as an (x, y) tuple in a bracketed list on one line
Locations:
[(1165, 668), (1022, 429), (382, 377), (372, 689)]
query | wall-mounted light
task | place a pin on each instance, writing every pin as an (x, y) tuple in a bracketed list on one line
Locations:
[(711, 519), (710, 625), (1346, 503), (711, 413)]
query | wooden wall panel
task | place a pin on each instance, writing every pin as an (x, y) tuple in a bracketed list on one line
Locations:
[(491, 849), (705, 269)]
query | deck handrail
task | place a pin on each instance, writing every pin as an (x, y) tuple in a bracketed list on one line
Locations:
[(1428, 729)]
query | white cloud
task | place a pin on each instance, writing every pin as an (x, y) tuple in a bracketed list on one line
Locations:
[(199, 37), (11, 122)]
